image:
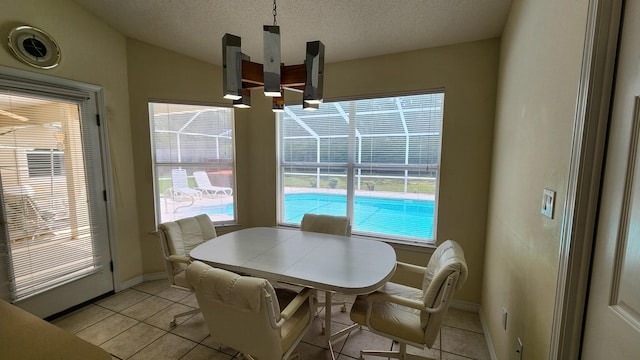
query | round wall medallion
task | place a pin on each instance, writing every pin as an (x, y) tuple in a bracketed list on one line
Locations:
[(34, 47)]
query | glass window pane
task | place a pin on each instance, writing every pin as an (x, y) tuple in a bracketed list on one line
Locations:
[(46, 205), (193, 161), (393, 146)]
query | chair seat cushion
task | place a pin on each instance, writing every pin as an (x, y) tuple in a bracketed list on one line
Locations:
[(393, 319)]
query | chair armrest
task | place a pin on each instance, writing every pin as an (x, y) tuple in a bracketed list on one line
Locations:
[(179, 259), (411, 268), (381, 296), (296, 303)]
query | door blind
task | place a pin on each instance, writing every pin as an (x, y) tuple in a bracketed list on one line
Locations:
[(46, 213)]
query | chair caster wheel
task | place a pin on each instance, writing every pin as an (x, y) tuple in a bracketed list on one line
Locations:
[(343, 308)]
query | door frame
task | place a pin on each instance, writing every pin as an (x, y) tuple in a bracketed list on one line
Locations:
[(31, 81), (585, 174)]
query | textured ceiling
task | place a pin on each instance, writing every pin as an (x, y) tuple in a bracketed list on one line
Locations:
[(350, 29)]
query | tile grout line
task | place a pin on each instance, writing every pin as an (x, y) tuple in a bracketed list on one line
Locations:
[(154, 296), (143, 322)]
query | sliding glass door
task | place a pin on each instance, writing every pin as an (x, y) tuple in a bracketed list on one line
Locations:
[(54, 231)]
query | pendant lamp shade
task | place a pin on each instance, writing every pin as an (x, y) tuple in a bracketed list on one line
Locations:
[(231, 67), (245, 101), (314, 64), (271, 63), (240, 75)]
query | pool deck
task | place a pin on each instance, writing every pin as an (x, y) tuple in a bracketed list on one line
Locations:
[(363, 193)]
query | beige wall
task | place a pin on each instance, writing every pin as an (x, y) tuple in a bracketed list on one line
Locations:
[(538, 75), (539, 69), (94, 53), (540, 64), (158, 74), (467, 72), (133, 72)]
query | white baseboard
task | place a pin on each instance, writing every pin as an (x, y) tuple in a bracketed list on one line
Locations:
[(467, 306), (131, 282), (155, 276), (476, 308), (142, 278), (487, 335)]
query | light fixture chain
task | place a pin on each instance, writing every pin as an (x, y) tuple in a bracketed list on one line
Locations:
[(275, 13)]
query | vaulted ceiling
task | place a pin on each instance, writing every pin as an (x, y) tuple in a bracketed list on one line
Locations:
[(350, 29)]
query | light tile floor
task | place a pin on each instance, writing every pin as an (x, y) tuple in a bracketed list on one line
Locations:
[(134, 324)]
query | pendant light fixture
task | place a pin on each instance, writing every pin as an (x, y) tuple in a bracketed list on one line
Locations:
[(240, 75)]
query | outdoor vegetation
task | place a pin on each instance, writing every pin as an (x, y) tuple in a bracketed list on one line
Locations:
[(423, 186)]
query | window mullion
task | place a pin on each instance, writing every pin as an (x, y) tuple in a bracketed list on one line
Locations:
[(387, 141), (351, 158), (318, 159)]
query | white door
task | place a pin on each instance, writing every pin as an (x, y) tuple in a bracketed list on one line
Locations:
[(54, 228), (612, 324)]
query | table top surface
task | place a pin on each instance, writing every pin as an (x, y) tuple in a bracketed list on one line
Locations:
[(326, 262)]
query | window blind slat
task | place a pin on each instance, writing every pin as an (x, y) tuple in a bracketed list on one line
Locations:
[(43, 184), (193, 144)]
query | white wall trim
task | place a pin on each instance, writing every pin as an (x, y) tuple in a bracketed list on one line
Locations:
[(140, 279), (464, 305), (487, 334), (155, 276), (584, 175), (129, 283), (476, 308), (93, 96)]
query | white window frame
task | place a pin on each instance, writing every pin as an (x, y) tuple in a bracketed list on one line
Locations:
[(99, 184), (159, 196), (354, 167)]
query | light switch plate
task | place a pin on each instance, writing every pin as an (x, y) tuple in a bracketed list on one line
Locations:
[(548, 202)]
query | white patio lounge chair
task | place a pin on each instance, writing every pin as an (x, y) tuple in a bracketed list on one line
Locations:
[(25, 217), (181, 185), (204, 185)]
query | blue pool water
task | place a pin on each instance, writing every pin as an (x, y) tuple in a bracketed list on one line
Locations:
[(388, 216)]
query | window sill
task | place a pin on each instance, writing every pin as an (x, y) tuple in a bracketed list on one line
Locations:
[(415, 246)]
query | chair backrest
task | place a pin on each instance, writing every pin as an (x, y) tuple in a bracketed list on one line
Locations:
[(202, 179), (445, 273), (180, 237), (238, 310), (179, 178), (326, 224)]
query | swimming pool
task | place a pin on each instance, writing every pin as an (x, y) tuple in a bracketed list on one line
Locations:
[(388, 216)]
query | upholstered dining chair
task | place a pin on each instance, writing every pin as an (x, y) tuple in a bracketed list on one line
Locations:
[(327, 224), (177, 239), (409, 315), (248, 315)]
